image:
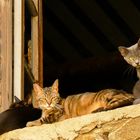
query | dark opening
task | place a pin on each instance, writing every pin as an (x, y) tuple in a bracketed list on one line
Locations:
[(81, 40)]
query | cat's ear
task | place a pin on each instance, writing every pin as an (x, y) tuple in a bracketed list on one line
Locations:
[(17, 100), (55, 86), (139, 43), (37, 89), (123, 50), (37, 92)]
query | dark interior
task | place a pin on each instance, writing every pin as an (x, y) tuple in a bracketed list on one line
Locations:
[(81, 40)]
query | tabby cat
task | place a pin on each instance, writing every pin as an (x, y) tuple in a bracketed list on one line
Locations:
[(132, 56), (54, 108)]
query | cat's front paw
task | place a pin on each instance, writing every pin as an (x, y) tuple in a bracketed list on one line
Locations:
[(33, 123), (136, 101), (29, 124)]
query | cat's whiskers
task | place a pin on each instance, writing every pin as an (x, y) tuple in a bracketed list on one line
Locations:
[(129, 71), (46, 106), (59, 107), (129, 74)]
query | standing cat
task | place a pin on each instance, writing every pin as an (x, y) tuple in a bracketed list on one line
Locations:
[(132, 56), (54, 108)]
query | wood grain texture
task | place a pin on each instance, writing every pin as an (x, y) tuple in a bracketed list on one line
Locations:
[(37, 43), (5, 54), (40, 42)]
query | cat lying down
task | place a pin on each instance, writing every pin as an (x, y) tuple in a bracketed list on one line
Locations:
[(17, 116), (54, 108)]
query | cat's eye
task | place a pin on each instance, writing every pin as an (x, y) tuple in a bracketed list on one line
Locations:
[(53, 98), (56, 100), (131, 58), (41, 100)]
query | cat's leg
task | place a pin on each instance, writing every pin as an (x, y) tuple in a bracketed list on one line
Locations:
[(44, 118), (99, 109), (136, 101), (119, 100), (63, 117), (34, 123)]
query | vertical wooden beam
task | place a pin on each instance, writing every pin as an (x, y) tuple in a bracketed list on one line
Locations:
[(19, 48), (5, 54), (40, 14), (37, 43)]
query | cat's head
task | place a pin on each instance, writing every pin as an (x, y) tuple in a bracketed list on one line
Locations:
[(46, 98), (131, 54), (27, 102)]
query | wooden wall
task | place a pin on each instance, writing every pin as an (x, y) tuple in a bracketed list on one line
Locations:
[(5, 54), (37, 42), (12, 44)]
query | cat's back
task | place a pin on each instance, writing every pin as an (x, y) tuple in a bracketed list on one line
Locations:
[(89, 102)]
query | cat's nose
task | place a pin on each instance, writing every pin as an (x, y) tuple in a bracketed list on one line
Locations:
[(49, 103)]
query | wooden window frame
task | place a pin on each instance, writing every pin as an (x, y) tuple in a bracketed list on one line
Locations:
[(36, 43), (5, 54), (12, 28)]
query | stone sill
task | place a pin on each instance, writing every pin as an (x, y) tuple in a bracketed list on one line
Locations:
[(118, 124)]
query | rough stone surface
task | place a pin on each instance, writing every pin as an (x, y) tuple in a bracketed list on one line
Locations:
[(118, 124)]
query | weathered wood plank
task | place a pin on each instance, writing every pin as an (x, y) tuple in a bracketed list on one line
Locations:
[(34, 38), (40, 42), (5, 54), (37, 43)]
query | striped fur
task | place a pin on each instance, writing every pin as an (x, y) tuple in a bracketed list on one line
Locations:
[(89, 102), (56, 109)]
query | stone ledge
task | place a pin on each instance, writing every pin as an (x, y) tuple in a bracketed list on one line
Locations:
[(121, 124)]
